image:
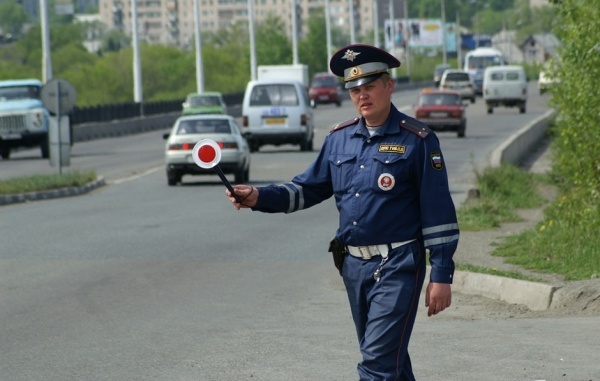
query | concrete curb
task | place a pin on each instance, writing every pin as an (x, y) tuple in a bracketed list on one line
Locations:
[(518, 145), (50, 194), (536, 296)]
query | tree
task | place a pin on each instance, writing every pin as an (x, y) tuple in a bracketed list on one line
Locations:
[(12, 17), (273, 47), (312, 50)]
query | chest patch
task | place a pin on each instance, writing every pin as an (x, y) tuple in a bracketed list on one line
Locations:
[(386, 181), (392, 148), (436, 161)]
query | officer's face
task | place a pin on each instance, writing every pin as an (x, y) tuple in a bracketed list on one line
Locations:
[(373, 100)]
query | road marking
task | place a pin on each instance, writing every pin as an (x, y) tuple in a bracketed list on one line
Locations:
[(134, 177)]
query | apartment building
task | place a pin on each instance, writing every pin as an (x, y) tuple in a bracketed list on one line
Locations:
[(172, 21)]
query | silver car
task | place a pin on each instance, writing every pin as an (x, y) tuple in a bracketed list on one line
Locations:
[(188, 130), (459, 81)]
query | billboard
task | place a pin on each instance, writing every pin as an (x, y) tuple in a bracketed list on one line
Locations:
[(419, 33)]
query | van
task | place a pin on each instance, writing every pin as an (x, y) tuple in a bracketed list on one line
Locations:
[(277, 111), (505, 86)]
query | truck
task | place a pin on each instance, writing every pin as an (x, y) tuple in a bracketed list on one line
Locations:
[(297, 72), (24, 120)]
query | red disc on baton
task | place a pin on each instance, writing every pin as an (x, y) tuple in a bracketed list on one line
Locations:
[(206, 153)]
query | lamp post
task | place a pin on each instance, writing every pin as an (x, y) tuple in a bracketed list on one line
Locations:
[(444, 46)]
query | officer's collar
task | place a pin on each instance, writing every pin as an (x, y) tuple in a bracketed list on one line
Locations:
[(391, 125)]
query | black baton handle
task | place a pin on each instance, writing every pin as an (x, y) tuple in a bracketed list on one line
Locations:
[(226, 182)]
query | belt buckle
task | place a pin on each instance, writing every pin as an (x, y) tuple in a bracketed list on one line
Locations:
[(365, 252)]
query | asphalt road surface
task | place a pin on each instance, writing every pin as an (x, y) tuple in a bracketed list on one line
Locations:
[(141, 281)]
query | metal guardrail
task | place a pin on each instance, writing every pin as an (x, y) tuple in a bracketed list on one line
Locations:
[(107, 121)]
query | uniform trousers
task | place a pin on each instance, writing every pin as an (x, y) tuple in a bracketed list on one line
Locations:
[(384, 311)]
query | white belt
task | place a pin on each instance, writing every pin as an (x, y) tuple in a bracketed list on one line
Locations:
[(367, 252)]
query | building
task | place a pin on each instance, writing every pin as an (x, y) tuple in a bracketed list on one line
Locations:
[(539, 48), (172, 21)]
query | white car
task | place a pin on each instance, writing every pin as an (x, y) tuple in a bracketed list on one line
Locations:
[(188, 130), (459, 81), (544, 82), (277, 111), (505, 86)]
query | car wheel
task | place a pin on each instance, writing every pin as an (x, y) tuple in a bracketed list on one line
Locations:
[(239, 177), (173, 177), (45, 148), (522, 109), (253, 146), (490, 110), (461, 130), (306, 146), (338, 103), (473, 100), (5, 152)]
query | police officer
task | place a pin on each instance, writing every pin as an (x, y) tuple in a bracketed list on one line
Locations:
[(387, 174)]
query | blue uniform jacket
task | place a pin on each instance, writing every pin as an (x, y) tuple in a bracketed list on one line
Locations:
[(389, 187)]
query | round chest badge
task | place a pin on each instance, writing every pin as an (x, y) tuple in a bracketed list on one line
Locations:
[(386, 181)]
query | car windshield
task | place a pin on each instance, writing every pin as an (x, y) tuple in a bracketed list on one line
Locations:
[(325, 82), (204, 126), (457, 77), (19, 92), (274, 95), (204, 101), (439, 99)]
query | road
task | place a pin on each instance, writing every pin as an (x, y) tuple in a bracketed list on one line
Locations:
[(140, 281)]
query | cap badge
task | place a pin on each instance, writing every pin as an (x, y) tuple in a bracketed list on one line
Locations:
[(350, 55), (355, 71)]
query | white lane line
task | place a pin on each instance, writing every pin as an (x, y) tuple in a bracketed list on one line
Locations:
[(137, 176)]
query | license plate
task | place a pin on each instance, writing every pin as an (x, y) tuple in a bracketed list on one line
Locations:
[(438, 114), (324, 97), (275, 121)]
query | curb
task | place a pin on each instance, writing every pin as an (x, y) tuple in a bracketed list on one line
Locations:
[(536, 296), (50, 194)]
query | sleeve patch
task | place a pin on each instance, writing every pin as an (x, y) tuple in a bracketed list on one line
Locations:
[(436, 161)]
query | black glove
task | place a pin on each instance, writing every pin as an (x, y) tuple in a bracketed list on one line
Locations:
[(338, 251)]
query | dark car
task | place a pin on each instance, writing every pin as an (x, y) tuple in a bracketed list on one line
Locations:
[(324, 88), (438, 71), (442, 111)]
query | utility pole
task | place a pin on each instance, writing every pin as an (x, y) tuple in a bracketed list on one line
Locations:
[(199, 68), (328, 32), (294, 33), (137, 70), (351, 11), (46, 58), (252, 43), (407, 48), (444, 45)]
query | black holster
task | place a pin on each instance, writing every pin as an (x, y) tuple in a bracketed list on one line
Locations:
[(338, 250)]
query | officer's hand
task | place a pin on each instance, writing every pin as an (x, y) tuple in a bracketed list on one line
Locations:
[(246, 193), (438, 297)]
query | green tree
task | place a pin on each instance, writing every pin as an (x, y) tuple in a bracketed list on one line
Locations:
[(312, 50), (12, 17), (577, 97), (273, 47)]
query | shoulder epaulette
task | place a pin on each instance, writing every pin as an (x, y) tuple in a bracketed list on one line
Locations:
[(345, 124), (418, 128)]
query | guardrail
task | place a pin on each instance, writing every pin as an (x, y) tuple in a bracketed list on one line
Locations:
[(108, 121)]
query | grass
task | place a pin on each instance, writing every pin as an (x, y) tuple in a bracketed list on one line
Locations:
[(46, 182), (565, 242), (501, 190)]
